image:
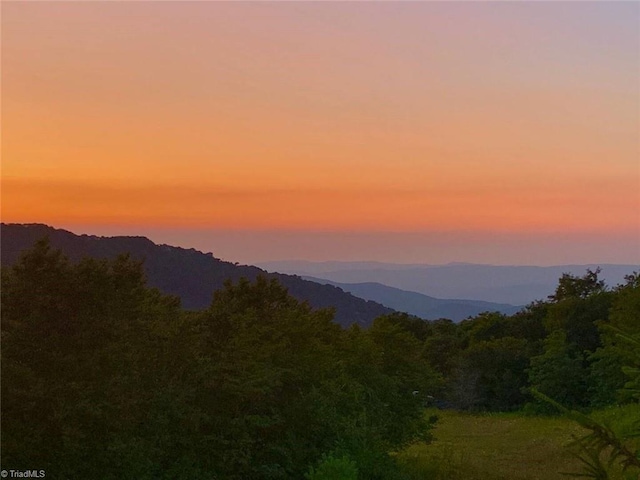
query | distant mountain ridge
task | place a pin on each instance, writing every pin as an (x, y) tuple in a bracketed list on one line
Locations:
[(515, 285), (418, 304), (187, 273)]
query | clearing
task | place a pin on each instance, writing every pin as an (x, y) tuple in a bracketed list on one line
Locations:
[(497, 446)]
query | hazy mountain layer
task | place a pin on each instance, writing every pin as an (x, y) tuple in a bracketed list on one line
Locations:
[(515, 285), (418, 304)]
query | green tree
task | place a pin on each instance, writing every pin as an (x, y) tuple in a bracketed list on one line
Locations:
[(442, 348), (570, 286), (622, 336), (332, 468), (81, 373), (558, 372), (492, 374)]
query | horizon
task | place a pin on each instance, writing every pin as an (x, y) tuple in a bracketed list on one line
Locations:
[(204, 241), (411, 132)]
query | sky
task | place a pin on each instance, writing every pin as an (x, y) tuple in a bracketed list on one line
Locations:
[(413, 132)]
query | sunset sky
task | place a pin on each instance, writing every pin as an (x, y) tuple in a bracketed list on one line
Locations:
[(491, 132)]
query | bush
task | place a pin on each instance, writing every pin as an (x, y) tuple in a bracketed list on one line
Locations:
[(334, 468)]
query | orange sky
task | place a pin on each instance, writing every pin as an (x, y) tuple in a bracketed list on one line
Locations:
[(512, 118)]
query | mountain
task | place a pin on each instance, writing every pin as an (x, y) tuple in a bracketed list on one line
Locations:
[(187, 273), (418, 304), (314, 268), (515, 285)]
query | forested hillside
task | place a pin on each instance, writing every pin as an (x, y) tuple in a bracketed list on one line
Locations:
[(187, 273)]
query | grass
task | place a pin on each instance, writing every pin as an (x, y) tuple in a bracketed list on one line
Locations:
[(500, 446)]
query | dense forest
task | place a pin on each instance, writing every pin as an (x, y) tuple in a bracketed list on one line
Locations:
[(105, 377)]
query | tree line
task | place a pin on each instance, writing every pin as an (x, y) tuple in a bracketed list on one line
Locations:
[(574, 347)]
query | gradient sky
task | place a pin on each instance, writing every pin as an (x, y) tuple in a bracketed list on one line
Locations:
[(499, 132)]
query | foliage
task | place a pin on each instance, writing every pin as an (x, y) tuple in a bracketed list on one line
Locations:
[(570, 286), (624, 332), (103, 374), (603, 441), (492, 374), (559, 371), (334, 468), (632, 371), (570, 347)]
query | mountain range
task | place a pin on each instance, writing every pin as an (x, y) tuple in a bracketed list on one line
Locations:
[(418, 304), (513, 285)]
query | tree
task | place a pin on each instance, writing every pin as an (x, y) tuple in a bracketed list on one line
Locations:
[(491, 375), (570, 286), (82, 366), (619, 355), (559, 373)]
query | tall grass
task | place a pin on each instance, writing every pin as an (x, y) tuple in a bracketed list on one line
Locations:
[(503, 446)]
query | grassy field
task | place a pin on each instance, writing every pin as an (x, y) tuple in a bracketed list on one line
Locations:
[(499, 446)]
